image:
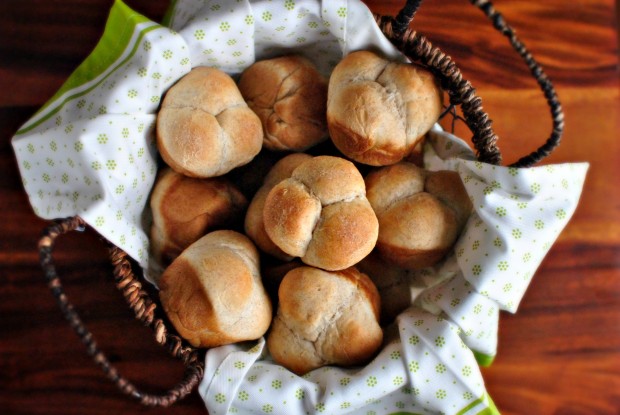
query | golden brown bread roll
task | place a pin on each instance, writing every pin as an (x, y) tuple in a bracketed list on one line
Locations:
[(420, 213), (213, 294), (185, 209), (325, 318), (204, 127), (378, 110), (254, 224), (289, 95), (321, 214)]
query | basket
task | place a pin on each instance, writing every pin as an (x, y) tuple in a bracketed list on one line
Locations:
[(414, 46)]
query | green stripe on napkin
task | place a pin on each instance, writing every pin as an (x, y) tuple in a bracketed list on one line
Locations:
[(490, 410), (483, 360), (169, 15)]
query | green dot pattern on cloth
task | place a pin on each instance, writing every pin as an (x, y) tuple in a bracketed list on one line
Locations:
[(234, 36), (518, 214), (500, 254)]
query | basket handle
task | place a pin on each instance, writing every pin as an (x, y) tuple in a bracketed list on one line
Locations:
[(140, 303), (417, 47)]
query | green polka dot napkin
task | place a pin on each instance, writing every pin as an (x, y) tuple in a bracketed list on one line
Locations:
[(90, 151)]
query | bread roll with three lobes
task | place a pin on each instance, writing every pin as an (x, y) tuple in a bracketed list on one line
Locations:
[(321, 214), (325, 318), (289, 95), (213, 294), (204, 127), (378, 110), (254, 223), (185, 209), (421, 213)]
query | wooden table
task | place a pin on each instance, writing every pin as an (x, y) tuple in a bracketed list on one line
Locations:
[(560, 354)]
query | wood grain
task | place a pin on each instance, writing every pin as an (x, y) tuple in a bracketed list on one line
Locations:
[(560, 354)]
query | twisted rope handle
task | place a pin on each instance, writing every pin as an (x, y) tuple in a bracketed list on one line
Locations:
[(144, 310), (405, 16), (461, 92)]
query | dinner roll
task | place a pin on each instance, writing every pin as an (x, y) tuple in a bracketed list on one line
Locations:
[(204, 127), (212, 293), (289, 96), (420, 213), (185, 209), (254, 224), (321, 214), (325, 318), (378, 110)]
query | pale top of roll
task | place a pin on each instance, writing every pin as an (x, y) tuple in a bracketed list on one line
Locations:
[(213, 294), (204, 127)]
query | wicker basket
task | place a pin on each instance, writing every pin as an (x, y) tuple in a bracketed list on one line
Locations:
[(418, 49)]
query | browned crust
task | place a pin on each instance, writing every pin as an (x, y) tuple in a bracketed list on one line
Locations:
[(446, 185), (321, 214), (378, 111), (291, 351), (290, 96), (185, 209), (365, 285), (212, 292), (255, 226), (290, 215), (254, 223), (408, 258), (346, 233)]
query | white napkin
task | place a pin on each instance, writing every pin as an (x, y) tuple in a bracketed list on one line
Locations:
[(90, 152)]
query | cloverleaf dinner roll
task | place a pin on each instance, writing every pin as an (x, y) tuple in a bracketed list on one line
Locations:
[(204, 127), (212, 293), (325, 318), (378, 110), (254, 223), (321, 214), (185, 209), (421, 213), (289, 96)]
